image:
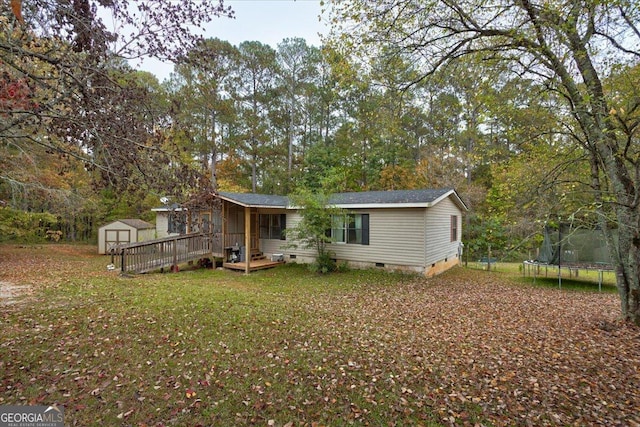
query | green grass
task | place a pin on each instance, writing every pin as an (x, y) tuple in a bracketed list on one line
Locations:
[(280, 346), (200, 347), (586, 280)]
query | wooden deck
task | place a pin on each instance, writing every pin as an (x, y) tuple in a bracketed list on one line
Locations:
[(166, 252), (169, 252), (258, 264)]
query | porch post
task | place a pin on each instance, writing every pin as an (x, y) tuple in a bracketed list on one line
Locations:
[(247, 238), (223, 228)]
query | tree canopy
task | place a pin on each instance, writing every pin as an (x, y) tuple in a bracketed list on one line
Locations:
[(530, 110), (570, 49), (67, 86)]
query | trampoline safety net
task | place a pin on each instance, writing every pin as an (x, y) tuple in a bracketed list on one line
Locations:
[(566, 245)]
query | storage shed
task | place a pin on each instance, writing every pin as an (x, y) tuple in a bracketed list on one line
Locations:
[(124, 231)]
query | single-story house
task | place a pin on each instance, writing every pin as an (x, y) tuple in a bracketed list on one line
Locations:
[(409, 230), (124, 231)]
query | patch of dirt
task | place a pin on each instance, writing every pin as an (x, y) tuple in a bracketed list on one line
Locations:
[(11, 294), (38, 266)]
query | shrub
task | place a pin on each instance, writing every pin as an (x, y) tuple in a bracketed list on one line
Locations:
[(311, 231), (323, 264), (343, 267), (27, 227)]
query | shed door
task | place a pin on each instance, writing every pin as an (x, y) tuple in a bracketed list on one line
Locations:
[(115, 237)]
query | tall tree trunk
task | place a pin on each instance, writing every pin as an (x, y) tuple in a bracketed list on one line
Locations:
[(254, 171), (626, 251), (290, 155), (624, 255), (214, 153), (592, 113), (214, 168)]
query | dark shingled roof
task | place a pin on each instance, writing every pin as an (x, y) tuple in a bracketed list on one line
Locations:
[(386, 197), (364, 198), (252, 199)]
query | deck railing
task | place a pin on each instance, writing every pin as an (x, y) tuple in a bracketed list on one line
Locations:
[(165, 252)]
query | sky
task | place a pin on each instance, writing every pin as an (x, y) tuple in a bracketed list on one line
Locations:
[(266, 21)]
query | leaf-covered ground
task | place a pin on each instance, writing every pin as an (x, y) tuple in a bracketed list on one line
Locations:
[(283, 347)]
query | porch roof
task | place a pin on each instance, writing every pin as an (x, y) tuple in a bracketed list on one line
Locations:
[(255, 200)]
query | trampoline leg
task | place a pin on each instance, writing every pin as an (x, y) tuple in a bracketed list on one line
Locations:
[(559, 277), (599, 280)]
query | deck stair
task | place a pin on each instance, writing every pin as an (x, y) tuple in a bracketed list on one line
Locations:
[(257, 261), (257, 256)]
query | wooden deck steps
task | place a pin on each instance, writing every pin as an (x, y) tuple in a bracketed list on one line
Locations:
[(257, 261), (257, 256), (259, 264)]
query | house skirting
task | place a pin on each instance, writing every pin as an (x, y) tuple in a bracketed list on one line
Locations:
[(429, 271), (441, 266)]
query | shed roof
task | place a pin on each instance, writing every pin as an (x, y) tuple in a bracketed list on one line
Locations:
[(138, 224)]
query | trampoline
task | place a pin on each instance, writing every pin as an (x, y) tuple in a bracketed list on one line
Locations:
[(573, 249)]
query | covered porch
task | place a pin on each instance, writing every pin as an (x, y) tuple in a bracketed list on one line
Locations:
[(240, 227)]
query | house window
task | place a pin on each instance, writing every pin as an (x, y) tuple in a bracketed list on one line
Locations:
[(177, 223), (272, 226), (206, 222), (200, 223), (454, 228), (351, 228)]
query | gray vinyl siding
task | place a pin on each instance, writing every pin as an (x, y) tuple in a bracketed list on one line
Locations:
[(415, 237), (292, 219), (438, 244), (274, 246), (162, 224), (396, 236)]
